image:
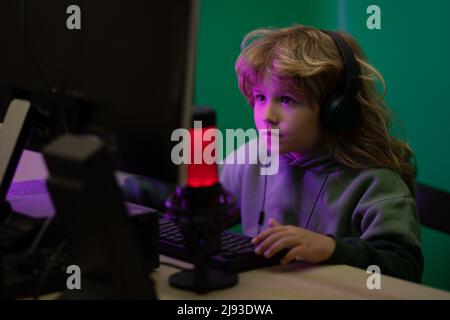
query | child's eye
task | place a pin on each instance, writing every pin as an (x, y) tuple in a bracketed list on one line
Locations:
[(260, 98), (286, 100)]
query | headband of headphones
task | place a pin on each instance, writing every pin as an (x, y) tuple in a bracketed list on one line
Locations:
[(351, 66)]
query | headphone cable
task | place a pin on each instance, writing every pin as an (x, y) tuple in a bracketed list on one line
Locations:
[(262, 213)]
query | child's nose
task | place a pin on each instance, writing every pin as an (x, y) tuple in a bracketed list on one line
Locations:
[(271, 115)]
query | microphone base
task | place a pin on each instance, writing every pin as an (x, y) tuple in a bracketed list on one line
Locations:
[(215, 280)]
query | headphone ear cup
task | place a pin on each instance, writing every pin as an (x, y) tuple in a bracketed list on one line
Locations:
[(326, 112), (340, 113)]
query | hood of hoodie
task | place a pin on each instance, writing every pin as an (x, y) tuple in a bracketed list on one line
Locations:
[(319, 160)]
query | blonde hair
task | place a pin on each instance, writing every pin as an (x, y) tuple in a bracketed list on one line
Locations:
[(313, 65)]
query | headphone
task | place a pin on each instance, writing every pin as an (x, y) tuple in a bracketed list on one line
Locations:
[(341, 110)]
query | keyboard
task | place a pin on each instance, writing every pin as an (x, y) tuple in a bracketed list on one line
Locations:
[(236, 253)]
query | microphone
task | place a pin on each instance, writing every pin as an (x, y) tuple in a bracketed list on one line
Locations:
[(202, 209)]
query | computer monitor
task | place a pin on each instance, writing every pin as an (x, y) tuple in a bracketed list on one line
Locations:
[(131, 61), (126, 74)]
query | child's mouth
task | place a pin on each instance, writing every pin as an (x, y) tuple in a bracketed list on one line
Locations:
[(269, 132), (268, 137)]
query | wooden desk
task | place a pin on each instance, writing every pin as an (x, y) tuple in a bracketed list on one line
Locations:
[(301, 281), (297, 281)]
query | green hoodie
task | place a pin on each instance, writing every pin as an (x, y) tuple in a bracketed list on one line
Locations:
[(370, 213)]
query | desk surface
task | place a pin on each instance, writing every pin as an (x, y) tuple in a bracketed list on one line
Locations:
[(301, 281), (297, 281)]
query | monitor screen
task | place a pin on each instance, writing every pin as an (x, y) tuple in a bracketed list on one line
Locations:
[(131, 60)]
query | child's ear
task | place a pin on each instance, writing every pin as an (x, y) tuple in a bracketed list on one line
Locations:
[(315, 105)]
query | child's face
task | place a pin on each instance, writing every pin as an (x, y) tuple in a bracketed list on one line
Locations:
[(295, 117)]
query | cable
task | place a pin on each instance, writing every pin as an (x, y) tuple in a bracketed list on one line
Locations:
[(23, 256), (262, 213), (32, 248), (38, 238), (315, 202), (24, 36), (321, 188), (51, 262)]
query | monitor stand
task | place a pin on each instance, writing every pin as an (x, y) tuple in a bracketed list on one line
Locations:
[(14, 133)]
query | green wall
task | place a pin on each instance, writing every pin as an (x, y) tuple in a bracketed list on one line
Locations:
[(411, 50)]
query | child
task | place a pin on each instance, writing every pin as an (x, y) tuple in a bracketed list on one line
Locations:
[(344, 191)]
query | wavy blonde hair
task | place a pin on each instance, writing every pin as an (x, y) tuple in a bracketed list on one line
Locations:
[(313, 65)]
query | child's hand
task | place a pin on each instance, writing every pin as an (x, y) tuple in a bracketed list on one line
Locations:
[(303, 244)]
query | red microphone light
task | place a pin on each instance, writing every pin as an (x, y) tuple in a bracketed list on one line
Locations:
[(200, 173)]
